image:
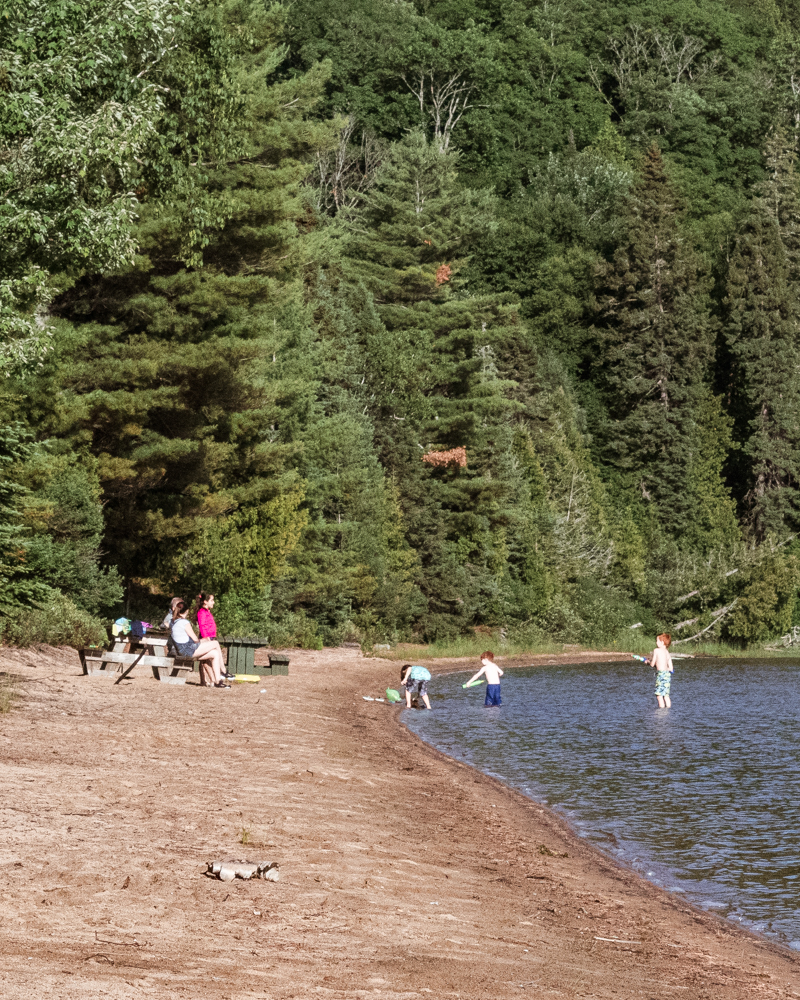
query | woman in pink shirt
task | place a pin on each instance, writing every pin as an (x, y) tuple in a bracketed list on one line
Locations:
[(206, 625)]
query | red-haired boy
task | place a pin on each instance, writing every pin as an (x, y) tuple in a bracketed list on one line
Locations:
[(493, 674), (662, 662)]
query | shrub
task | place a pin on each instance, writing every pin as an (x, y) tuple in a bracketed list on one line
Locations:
[(55, 621), (244, 616), (295, 629), (766, 605)]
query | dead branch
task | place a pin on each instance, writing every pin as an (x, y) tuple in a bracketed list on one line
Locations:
[(444, 97), (346, 173), (723, 611)]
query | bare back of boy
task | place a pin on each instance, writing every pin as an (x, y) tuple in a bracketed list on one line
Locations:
[(661, 659), (491, 671)]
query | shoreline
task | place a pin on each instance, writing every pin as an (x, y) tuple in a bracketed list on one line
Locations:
[(405, 873), (467, 664)]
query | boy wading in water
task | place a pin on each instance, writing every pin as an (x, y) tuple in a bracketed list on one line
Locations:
[(493, 674), (662, 662)]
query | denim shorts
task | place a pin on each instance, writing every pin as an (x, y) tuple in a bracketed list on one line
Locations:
[(186, 648)]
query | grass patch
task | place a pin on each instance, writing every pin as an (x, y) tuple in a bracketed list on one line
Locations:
[(9, 692), (245, 836), (642, 645), (468, 646)]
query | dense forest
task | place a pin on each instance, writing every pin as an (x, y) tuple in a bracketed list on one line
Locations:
[(390, 320)]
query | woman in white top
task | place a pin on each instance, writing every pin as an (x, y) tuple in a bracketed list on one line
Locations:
[(207, 651)]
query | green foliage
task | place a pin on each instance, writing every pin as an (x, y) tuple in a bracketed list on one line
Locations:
[(244, 551), (62, 512), (260, 266), (766, 606), (593, 614), (54, 620), (763, 312), (245, 616), (79, 108), (656, 339), (174, 390), (713, 524), (16, 586)]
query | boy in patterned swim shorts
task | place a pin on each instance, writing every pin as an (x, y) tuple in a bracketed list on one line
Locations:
[(662, 662), (415, 681)]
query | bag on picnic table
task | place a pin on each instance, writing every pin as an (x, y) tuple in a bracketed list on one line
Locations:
[(121, 626)]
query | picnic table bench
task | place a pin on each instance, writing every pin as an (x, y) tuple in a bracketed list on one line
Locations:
[(242, 653), (126, 654)]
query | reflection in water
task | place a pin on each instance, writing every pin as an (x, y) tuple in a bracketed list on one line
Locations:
[(702, 798)]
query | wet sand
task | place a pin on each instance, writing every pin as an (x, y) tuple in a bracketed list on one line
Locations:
[(403, 873)]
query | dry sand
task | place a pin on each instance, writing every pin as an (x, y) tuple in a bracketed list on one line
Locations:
[(404, 874)]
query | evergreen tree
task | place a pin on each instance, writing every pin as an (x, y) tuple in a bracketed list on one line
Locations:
[(779, 195), (656, 344), (168, 369), (762, 330), (714, 523), (16, 585), (63, 513), (352, 570), (435, 385)]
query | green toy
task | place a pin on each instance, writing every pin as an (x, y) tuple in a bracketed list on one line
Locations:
[(392, 695), (472, 684)]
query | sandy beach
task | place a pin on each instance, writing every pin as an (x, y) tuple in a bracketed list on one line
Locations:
[(403, 873)]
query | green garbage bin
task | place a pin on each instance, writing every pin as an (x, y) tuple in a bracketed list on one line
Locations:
[(278, 663), (242, 654)]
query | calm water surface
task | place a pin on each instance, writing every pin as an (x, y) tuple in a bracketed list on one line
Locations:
[(703, 798)]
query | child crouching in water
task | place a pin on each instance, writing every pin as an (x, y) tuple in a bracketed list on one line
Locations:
[(493, 674), (662, 662), (415, 680)]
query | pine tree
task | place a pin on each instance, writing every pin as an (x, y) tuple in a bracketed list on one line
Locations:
[(762, 333), (352, 571), (168, 370), (779, 196), (434, 385), (16, 585), (656, 343)]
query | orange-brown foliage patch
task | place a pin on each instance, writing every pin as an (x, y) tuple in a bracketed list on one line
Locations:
[(455, 456), (443, 274)]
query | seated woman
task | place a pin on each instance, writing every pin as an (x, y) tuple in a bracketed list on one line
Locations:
[(206, 625), (167, 624), (207, 651)]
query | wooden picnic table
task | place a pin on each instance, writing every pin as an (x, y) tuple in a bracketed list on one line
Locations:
[(125, 654)]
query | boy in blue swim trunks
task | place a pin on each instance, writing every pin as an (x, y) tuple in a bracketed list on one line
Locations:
[(493, 674), (662, 662)]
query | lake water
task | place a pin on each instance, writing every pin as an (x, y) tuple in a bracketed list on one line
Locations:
[(702, 798)]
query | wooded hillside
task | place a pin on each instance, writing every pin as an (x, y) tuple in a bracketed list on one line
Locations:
[(386, 320)]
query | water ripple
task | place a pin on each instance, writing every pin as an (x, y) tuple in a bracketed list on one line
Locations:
[(703, 798)]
